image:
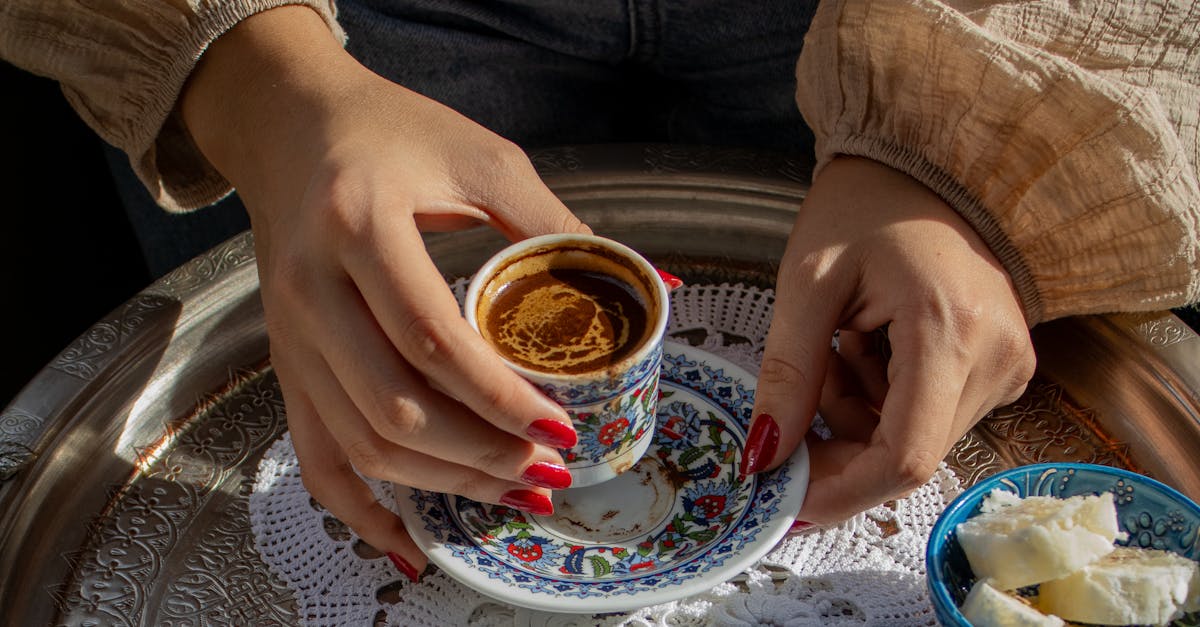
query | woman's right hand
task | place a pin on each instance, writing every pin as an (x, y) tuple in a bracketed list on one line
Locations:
[(340, 170)]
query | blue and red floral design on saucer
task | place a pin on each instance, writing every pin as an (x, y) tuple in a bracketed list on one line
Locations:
[(679, 522)]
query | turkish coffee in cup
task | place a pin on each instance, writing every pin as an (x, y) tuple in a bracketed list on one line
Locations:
[(582, 317), (566, 310)]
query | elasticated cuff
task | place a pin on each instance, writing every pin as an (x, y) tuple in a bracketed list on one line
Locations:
[(961, 200)]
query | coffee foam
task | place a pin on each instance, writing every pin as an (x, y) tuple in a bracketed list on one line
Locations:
[(595, 331), (558, 328)]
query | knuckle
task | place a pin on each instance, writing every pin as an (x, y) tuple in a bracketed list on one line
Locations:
[(468, 486), (427, 339), (781, 372), (403, 417), (494, 456), (367, 458), (956, 331), (1013, 347), (314, 485), (568, 223), (362, 517), (1020, 379), (322, 485), (496, 399), (1020, 376), (966, 320), (1015, 356), (1015, 394), (339, 198), (505, 153), (505, 457), (915, 467), (807, 268), (501, 158), (1025, 360)]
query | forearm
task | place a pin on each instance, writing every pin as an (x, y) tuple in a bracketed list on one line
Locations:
[(272, 74)]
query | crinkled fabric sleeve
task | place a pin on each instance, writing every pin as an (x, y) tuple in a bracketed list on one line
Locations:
[(1065, 135), (122, 66)]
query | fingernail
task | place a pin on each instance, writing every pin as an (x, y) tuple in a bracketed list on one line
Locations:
[(760, 444), (528, 501), (552, 433), (403, 566), (799, 526), (547, 475), (673, 282)]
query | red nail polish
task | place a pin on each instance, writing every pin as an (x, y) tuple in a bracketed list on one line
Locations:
[(760, 444), (552, 433), (547, 475), (673, 282), (403, 566), (799, 526), (528, 501)]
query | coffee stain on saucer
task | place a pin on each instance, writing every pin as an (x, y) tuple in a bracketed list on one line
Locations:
[(631, 505)]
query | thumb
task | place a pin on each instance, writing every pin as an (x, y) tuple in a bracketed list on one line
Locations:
[(793, 370)]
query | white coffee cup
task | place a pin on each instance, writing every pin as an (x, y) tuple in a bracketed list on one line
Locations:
[(531, 301)]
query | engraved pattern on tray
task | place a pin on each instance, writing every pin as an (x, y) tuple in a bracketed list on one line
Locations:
[(145, 563)]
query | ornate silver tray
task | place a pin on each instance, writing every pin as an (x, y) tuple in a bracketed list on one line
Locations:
[(126, 462)]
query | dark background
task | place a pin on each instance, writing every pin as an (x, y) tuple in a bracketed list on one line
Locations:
[(67, 253)]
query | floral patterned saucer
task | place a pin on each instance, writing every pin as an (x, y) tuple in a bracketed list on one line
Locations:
[(679, 522)]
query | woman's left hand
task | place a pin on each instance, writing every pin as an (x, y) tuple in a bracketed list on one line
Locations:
[(874, 249)]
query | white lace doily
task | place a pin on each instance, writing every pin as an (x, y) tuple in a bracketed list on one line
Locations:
[(866, 571)]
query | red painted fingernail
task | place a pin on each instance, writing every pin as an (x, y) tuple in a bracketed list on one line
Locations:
[(403, 566), (673, 282), (799, 526), (547, 475), (552, 433), (760, 444), (528, 501)]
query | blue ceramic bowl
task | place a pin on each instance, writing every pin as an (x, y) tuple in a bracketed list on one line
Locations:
[(1153, 514)]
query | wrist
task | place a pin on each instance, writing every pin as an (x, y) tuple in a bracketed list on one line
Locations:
[(257, 83)]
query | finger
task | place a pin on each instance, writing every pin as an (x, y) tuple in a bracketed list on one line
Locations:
[(377, 457), (916, 429), (446, 222), (400, 406), (828, 460), (331, 480), (516, 200), (843, 407), (372, 456), (384, 460), (981, 397), (412, 304), (863, 357), (794, 364)]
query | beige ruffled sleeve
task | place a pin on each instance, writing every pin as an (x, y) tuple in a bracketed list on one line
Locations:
[(122, 66), (1065, 133)]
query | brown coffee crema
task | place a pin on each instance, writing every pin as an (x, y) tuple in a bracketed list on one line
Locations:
[(566, 310)]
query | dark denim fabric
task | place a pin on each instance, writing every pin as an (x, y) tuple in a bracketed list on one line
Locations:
[(543, 72)]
